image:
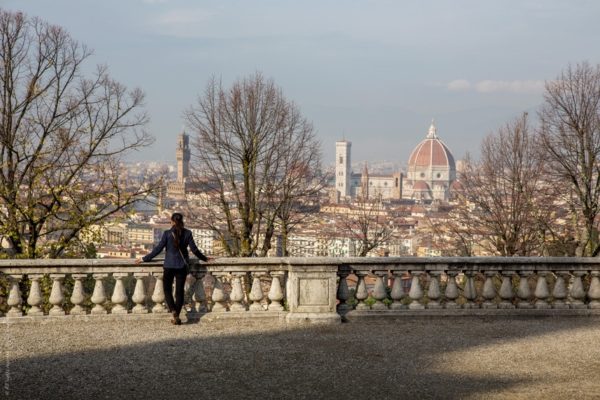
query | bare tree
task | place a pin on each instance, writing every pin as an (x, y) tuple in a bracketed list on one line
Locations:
[(455, 233), (261, 157), (504, 196), (367, 223), (569, 134), (61, 138)]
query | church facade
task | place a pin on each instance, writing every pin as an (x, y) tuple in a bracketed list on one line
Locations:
[(430, 172)]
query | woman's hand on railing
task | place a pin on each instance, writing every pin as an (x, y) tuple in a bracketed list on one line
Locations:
[(139, 261)]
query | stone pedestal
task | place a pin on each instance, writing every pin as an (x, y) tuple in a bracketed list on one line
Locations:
[(311, 294)]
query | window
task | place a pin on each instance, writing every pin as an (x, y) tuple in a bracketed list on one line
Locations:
[(439, 175), (422, 174), (341, 160)]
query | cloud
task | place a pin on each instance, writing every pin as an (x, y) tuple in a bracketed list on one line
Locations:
[(494, 86), (459, 85)]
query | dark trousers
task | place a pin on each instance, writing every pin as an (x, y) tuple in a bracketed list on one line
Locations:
[(179, 274)]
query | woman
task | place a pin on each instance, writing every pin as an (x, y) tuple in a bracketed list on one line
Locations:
[(176, 240)]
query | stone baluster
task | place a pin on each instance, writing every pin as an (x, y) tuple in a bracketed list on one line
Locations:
[(559, 292), (541, 291), (14, 300), (237, 293), (199, 296), (523, 291), (416, 291), (56, 295), (506, 290), (158, 295), (361, 291), (219, 297), (276, 291), (469, 291), (451, 292), (379, 292), (398, 294), (256, 294), (78, 295), (489, 290), (119, 296), (139, 294), (99, 295), (343, 293), (594, 291), (433, 292), (35, 296), (577, 292)]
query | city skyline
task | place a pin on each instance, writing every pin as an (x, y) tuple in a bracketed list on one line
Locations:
[(373, 72)]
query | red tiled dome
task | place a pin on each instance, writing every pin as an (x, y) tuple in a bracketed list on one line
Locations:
[(431, 152), (420, 185)]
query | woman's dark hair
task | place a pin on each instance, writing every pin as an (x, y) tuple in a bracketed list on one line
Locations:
[(177, 218)]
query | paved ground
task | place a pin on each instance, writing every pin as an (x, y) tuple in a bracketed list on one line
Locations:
[(430, 358)]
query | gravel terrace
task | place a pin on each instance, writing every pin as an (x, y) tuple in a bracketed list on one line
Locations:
[(421, 358)]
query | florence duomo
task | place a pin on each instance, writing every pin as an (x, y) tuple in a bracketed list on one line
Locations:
[(431, 172)]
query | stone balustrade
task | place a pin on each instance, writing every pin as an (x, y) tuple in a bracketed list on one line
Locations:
[(305, 289)]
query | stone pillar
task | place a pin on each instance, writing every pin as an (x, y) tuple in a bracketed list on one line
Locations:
[(451, 292), (311, 293), (14, 300), (594, 291), (523, 292), (559, 292), (256, 294), (219, 297), (275, 291), (35, 296), (541, 291), (139, 294), (56, 295), (158, 295), (78, 295), (237, 293), (199, 296), (577, 292), (361, 291), (469, 291), (489, 291), (343, 293), (433, 293), (99, 295), (379, 292), (119, 297), (416, 291), (506, 291), (398, 293)]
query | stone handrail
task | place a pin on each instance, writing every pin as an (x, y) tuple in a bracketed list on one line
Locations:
[(306, 289)]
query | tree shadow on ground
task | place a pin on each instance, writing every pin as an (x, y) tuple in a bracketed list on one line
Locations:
[(361, 359)]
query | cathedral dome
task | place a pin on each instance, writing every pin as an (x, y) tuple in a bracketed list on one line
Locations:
[(421, 186), (431, 152)]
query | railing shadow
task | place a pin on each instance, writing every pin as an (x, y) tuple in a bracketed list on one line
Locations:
[(150, 359)]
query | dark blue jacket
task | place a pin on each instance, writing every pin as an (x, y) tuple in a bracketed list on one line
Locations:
[(173, 257)]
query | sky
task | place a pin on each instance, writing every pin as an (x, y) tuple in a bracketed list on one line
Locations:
[(375, 72)]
